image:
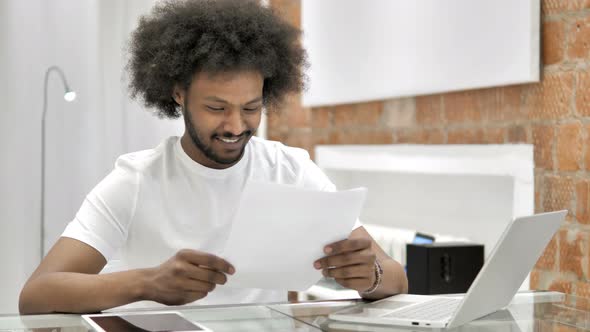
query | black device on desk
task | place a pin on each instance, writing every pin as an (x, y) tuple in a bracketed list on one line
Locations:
[(442, 268)]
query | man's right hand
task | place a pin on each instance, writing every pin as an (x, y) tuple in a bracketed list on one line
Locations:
[(186, 277)]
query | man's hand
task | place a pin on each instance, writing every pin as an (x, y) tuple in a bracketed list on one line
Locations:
[(186, 277), (350, 262)]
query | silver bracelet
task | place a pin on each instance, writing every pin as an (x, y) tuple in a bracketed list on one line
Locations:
[(378, 278)]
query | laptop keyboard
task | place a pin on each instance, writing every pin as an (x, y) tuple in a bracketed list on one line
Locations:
[(433, 310)]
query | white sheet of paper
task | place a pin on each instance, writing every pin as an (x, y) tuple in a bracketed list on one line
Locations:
[(279, 231)]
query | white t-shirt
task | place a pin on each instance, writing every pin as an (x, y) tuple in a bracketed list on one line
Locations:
[(156, 202)]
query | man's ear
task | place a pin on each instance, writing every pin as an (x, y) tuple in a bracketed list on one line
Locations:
[(178, 94)]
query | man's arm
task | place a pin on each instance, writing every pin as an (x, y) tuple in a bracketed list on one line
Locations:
[(394, 279), (351, 263), (67, 280)]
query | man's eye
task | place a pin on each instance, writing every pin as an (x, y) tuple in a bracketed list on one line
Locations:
[(255, 109), (217, 109)]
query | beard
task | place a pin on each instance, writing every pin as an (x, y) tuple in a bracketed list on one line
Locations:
[(207, 150)]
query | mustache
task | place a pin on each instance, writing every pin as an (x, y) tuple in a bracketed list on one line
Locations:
[(229, 135)]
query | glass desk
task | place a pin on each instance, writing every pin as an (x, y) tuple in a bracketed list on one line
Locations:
[(529, 311)]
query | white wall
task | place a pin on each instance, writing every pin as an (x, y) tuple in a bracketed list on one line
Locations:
[(20, 92), (85, 39), (362, 50)]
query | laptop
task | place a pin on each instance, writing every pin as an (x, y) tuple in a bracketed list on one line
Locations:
[(504, 271), (502, 320)]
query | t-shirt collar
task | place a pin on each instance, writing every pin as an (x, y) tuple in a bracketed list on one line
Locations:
[(207, 171)]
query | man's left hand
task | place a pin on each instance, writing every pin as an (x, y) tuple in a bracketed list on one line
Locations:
[(350, 262)]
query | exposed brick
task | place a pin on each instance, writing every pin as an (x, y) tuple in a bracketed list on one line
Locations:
[(320, 117), (299, 138), (569, 146), (582, 301), (560, 6), (511, 99), (571, 252), (583, 94), (361, 137), (429, 110), (534, 279), (297, 116), (553, 42), (554, 6), (426, 136), (547, 259), (493, 105), (579, 39), (494, 135), (399, 113), (466, 136), (562, 328), (290, 10), (582, 201), (538, 184), (583, 291), (517, 134), (558, 192), (561, 285), (320, 138), (551, 98), (276, 135), (292, 114), (352, 115), (544, 325), (502, 104), (543, 138), (461, 107), (276, 120)]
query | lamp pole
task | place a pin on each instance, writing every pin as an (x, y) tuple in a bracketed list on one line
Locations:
[(69, 96)]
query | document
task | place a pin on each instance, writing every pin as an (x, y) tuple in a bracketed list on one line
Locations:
[(279, 231)]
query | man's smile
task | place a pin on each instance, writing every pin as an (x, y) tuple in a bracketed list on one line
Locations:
[(231, 143)]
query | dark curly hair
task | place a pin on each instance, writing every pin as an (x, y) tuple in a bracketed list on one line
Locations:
[(182, 37)]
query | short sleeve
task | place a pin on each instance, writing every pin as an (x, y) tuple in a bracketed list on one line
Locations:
[(103, 220)]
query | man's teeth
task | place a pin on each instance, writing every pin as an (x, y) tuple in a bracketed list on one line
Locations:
[(227, 140)]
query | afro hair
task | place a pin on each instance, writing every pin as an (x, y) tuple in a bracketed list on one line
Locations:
[(180, 38)]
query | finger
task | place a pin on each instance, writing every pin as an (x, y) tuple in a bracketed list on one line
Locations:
[(205, 274), (354, 258), (201, 258), (347, 246), (359, 284), (194, 285), (354, 271)]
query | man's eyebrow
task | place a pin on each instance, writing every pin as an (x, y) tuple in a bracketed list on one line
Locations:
[(254, 101), (221, 100), (213, 98)]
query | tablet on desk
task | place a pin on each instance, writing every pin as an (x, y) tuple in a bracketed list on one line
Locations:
[(142, 321)]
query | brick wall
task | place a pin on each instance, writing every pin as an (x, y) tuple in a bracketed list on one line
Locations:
[(554, 115)]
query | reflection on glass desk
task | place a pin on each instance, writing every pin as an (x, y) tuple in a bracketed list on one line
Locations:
[(529, 311)]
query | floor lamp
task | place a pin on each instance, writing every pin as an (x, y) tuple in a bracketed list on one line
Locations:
[(69, 96)]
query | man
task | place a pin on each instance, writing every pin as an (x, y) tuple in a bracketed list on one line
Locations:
[(166, 211)]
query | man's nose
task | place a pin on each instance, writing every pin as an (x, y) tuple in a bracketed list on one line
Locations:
[(234, 123)]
